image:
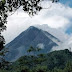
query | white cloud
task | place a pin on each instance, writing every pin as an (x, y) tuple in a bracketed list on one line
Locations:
[(66, 45), (58, 33), (40, 45), (56, 21), (56, 16)]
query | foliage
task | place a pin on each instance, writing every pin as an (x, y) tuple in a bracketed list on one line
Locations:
[(3, 70), (40, 68), (57, 61), (33, 50), (68, 67)]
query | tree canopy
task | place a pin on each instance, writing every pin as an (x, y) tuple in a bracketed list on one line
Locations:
[(56, 61)]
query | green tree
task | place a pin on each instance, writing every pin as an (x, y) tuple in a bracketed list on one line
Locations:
[(34, 50), (40, 68), (68, 67), (56, 70)]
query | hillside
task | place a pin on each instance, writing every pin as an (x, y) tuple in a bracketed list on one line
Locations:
[(56, 61)]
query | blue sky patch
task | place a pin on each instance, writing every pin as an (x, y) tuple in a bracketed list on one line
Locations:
[(69, 30), (67, 2)]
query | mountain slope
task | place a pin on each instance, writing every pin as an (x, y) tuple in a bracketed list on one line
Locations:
[(31, 37), (58, 33)]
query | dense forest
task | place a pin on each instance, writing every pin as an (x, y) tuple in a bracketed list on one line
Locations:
[(56, 61)]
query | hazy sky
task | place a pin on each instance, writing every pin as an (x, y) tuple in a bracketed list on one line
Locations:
[(56, 16)]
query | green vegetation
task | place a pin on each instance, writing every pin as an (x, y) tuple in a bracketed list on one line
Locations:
[(57, 61)]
